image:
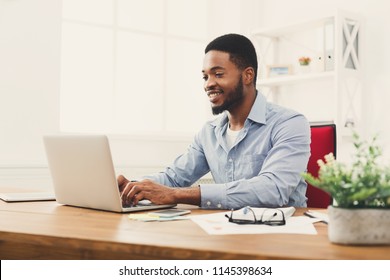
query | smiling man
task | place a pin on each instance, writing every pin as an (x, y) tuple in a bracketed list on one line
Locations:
[(255, 150)]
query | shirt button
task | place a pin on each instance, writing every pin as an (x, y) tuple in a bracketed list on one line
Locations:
[(230, 160), (219, 205), (208, 203)]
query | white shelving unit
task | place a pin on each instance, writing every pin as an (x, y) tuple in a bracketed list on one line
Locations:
[(292, 79), (334, 44)]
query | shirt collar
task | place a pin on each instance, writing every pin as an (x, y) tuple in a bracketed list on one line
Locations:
[(257, 113)]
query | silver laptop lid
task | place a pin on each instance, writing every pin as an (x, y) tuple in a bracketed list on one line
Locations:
[(82, 171)]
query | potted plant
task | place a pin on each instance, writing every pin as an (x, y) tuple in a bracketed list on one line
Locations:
[(304, 64), (360, 213), (304, 60)]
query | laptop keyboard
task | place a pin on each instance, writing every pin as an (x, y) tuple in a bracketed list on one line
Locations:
[(143, 202)]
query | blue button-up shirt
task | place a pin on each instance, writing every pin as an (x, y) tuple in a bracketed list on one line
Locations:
[(263, 167)]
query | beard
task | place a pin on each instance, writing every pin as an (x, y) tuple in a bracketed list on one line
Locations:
[(234, 97)]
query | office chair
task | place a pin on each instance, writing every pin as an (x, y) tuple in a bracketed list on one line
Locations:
[(323, 142)]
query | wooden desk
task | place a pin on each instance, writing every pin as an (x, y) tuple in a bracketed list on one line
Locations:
[(47, 230)]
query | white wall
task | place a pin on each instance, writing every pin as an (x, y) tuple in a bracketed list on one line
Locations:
[(29, 77), (29, 85)]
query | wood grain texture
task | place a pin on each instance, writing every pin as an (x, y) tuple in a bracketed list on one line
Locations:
[(47, 230)]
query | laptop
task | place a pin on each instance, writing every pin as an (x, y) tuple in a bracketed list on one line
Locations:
[(27, 196), (83, 173)]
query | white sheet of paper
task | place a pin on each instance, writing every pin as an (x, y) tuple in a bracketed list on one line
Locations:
[(318, 215), (218, 224)]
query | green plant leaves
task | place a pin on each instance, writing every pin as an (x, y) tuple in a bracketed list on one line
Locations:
[(365, 184)]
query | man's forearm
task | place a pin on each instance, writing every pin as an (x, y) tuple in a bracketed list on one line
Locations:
[(190, 195)]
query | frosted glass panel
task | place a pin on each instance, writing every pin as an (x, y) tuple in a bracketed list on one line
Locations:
[(139, 84), (133, 67), (187, 18), (93, 11), (86, 78), (145, 15), (187, 103)]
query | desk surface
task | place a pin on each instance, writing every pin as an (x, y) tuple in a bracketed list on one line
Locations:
[(47, 230)]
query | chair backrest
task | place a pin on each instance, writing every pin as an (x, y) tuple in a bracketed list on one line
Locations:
[(323, 142)]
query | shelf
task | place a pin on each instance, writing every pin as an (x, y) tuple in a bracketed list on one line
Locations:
[(335, 43), (291, 28), (291, 79)]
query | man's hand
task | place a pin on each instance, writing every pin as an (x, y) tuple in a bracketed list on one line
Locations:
[(132, 192)]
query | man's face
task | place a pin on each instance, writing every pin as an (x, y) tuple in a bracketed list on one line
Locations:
[(222, 82)]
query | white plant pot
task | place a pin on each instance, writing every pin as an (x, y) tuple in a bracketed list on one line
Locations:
[(304, 69), (359, 226)]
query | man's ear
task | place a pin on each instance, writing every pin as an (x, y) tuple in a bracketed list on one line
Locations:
[(248, 75)]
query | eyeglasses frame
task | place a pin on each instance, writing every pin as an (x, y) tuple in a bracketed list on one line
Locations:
[(255, 221)]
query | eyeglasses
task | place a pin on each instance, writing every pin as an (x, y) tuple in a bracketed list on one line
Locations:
[(270, 217)]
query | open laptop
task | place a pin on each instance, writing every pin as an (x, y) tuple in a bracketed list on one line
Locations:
[(83, 173)]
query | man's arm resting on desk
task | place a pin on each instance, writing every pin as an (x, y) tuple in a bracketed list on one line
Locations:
[(133, 192)]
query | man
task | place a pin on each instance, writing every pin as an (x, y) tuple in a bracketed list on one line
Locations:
[(255, 150)]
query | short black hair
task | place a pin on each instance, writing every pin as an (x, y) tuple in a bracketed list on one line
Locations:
[(240, 48)]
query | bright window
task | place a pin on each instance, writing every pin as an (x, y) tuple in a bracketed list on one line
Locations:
[(133, 67)]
